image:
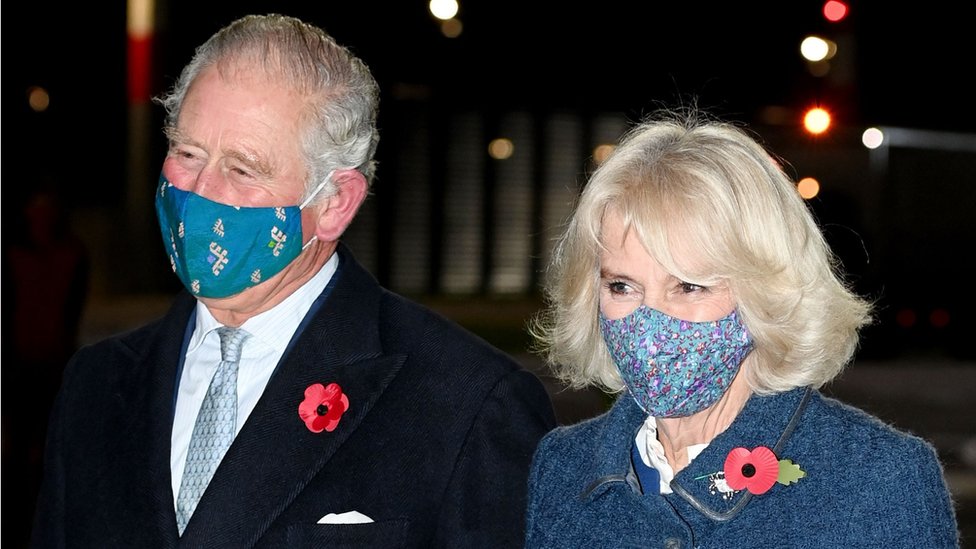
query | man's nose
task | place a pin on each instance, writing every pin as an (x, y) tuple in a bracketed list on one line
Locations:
[(208, 183)]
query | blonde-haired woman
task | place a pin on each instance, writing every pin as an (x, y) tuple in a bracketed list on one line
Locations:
[(693, 279)]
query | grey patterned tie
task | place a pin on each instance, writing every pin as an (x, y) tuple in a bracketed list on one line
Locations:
[(214, 428)]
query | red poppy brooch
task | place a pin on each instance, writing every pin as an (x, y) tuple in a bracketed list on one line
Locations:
[(323, 407), (757, 470)]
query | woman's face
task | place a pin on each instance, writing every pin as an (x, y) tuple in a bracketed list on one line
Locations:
[(630, 277)]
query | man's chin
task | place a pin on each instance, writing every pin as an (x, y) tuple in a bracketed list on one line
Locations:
[(225, 301)]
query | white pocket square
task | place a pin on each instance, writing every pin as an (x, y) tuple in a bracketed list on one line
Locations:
[(349, 517)]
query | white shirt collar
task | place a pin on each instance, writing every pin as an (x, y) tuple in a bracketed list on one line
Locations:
[(652, 452), (283, 318)]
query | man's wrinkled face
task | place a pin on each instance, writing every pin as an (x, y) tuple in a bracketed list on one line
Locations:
[(238, 140)]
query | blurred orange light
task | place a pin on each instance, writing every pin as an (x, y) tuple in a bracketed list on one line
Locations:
[(601, 152), (452, 27), (38, 98), (834, 10), (808, 187), (501, 148), (816, 120)]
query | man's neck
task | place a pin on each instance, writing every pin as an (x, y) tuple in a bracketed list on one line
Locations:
[(237, 309)]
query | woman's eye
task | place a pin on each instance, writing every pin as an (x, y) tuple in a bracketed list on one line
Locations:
[(618, 288), (689, 288)]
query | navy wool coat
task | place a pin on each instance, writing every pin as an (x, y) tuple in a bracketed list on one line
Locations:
[(435, 447)]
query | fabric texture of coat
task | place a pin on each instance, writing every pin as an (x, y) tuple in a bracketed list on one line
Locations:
[(866, 485), (435, 447)]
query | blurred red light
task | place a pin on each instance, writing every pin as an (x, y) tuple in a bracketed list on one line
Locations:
[(834, 10), (939, 318), (905, 318)]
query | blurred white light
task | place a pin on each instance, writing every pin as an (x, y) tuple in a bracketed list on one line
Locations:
[(443, 9), (872, 138), (814, 48), (816, 120)]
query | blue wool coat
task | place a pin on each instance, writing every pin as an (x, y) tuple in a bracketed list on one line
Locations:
[(867, 485)]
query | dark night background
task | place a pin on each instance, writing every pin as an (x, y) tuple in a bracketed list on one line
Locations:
[(903, 225), (903, 67)]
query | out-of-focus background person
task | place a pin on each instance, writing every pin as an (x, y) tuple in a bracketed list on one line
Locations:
[(45, 274)]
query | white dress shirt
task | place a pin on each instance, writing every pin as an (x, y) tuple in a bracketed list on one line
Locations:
[(271, 331)]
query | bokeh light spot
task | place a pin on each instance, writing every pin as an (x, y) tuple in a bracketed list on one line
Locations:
[(38, 98), (808, 187), (501, 148), (906, 318)]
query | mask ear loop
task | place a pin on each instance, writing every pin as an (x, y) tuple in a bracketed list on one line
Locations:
[(309, 243), (316, 191), (309, 199)]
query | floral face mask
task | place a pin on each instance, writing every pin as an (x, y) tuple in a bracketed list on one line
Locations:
[(674, 367)]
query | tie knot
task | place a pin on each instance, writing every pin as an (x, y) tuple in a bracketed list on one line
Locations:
[(231, 341)]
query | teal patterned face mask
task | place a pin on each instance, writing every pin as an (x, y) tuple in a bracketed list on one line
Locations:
[(674, 367), (219, 250)]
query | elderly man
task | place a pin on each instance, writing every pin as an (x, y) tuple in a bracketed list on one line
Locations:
[(286, 399)]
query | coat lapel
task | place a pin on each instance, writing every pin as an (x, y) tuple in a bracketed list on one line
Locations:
[(146, 439), (275, 455), (765, 421)]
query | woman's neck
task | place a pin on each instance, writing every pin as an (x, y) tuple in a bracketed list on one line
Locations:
[(676, 434)]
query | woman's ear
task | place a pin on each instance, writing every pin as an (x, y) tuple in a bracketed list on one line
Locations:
[(338, 211)]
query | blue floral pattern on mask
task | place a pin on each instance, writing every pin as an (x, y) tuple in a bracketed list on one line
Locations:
[(674, 367)]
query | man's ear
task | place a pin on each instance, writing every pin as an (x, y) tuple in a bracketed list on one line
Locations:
[(338, 211)]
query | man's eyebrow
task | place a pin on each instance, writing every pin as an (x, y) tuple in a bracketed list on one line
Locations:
[(248, 158), (174, 134), (252, 161)]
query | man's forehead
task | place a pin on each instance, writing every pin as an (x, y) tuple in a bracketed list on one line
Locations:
[(240, 114)]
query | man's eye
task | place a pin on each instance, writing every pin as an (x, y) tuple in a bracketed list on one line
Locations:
[(240, 172), (182, 153)]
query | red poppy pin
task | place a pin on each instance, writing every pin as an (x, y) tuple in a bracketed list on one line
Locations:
[(758, 470), (323, 407)]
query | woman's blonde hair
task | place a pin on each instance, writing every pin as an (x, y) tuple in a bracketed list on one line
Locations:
[(711, 205)]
